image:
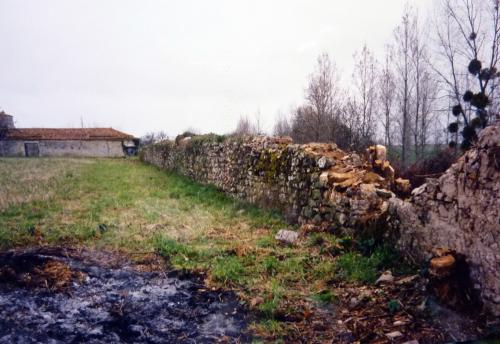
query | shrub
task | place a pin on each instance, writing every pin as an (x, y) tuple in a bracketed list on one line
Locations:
[(430, 167)]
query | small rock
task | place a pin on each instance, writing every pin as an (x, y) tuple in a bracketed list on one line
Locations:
[(354, 302), (386, 277), (403, 185), (372, 177), (407, 280), (356, 160), (184, 141), (367, 190), (338, 177), (394, 335), (422, 306), (342, 218), (384, 193), (419, 190), (324, 162), (323, 179), (286, 236)]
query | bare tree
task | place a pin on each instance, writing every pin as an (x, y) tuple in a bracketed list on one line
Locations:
[(322, 98), (258, 124), (282, 127), (405, 35), (425, 90), (245, 127), (321, 118), (362, 106), (468, 31), (153, 137), (386, 84), (304, 124)]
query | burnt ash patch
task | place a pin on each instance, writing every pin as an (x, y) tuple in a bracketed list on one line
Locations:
[(64, 296)]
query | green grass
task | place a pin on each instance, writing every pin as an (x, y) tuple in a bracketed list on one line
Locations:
[(324, 297), (228, 270), (135, 202), (354, 266), (124, 205)]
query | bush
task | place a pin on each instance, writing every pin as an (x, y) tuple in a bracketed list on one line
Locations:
[(427, 168), (185, 134)]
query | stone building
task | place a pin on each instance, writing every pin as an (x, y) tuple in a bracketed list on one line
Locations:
[(6, 121), (79, 142)]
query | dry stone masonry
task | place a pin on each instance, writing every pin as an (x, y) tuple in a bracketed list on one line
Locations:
[(314, 183), (322, 186)]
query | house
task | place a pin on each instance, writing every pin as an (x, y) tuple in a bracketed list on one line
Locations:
[(77, 142)]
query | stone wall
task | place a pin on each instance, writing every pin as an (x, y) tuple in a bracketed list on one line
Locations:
[(350, 194), (6, 121), (459, 211), (58, 148), (314, 183)]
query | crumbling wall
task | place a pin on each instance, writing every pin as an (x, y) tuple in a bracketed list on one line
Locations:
[(350, 194), (313, 183), (459, 211)]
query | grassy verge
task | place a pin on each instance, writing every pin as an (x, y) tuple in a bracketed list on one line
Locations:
[(128, 206)]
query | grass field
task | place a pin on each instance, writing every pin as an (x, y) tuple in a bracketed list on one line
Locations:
[(127, 206)]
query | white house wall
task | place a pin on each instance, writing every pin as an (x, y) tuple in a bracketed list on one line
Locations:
[(74, 148)]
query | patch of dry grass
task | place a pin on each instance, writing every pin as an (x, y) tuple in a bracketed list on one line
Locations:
[(25, 180)]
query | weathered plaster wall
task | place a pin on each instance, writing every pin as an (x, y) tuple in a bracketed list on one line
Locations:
[(11, 148), (460, 211), (315, 183), (57, 148)]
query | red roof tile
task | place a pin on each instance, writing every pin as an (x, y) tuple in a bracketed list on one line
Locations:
[(87, 134)]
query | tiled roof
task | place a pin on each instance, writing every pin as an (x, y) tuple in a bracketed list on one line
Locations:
[(87, 134)]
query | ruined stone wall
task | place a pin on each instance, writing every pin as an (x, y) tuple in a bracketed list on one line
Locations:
[(344, 193), (459, 211), (314, 183)]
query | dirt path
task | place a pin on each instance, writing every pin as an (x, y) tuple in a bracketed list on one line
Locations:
[(67, 296)]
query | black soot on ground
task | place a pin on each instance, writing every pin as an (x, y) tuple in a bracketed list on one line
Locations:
[(64, 296)]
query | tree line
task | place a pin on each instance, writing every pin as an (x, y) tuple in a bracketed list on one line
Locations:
[(435, 84)]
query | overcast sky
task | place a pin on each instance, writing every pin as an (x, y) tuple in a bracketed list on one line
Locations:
[(145, 65)]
